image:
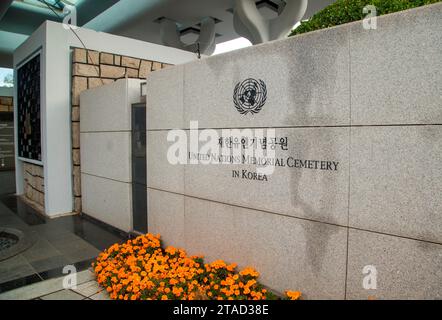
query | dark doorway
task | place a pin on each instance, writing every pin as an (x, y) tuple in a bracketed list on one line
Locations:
[(139, 185)]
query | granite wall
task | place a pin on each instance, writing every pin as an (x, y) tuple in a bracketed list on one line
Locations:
[(106, 152), (368, 101), (92, 69)]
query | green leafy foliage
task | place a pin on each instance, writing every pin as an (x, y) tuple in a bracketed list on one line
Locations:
[(345, 11)]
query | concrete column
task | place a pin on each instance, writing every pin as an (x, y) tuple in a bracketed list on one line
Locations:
[(250, 24)]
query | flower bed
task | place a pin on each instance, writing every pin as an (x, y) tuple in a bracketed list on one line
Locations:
[(141, 269)]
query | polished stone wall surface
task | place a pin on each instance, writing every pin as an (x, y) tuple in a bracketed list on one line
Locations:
[(92, 69), (105, 140), (364, 107)]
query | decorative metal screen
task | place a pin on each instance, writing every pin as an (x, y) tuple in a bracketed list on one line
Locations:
[(28, 110)]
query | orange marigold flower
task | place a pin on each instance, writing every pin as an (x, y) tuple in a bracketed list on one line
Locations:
[(142, 269), (249, 272), (293, 295)]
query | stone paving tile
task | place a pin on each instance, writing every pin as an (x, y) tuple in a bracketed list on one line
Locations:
[(103, 295), (40, 250), (86, 253), (55, 234), (34, 291), (88, 289), (56, 243), (11, 221), (15, 268), (63, 295), (76, 251), (18, 283), (8, 182), (44, 288), (85, 276), (4, 211), (50, 263)]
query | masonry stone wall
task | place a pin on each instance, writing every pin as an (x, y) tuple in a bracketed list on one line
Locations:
[(34, 191), (91, 69), (357, 179), (6, 104)]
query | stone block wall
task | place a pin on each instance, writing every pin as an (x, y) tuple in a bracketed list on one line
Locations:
[(91, 69), (34, 189), (6, 104)]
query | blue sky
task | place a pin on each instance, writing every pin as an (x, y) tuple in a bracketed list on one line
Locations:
[(3, 73)]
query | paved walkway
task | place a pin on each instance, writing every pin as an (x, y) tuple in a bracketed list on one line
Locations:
[(51, 244), (87, 289)]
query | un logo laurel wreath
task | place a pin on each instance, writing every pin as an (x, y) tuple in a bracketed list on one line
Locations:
[(250, 96)]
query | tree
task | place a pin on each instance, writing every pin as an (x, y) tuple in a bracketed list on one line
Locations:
[(8, 80)]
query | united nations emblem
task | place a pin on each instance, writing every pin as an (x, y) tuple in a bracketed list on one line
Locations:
[(250, 96)]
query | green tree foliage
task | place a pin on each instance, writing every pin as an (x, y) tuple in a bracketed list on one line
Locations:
[(345, 11), (8, 80)]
